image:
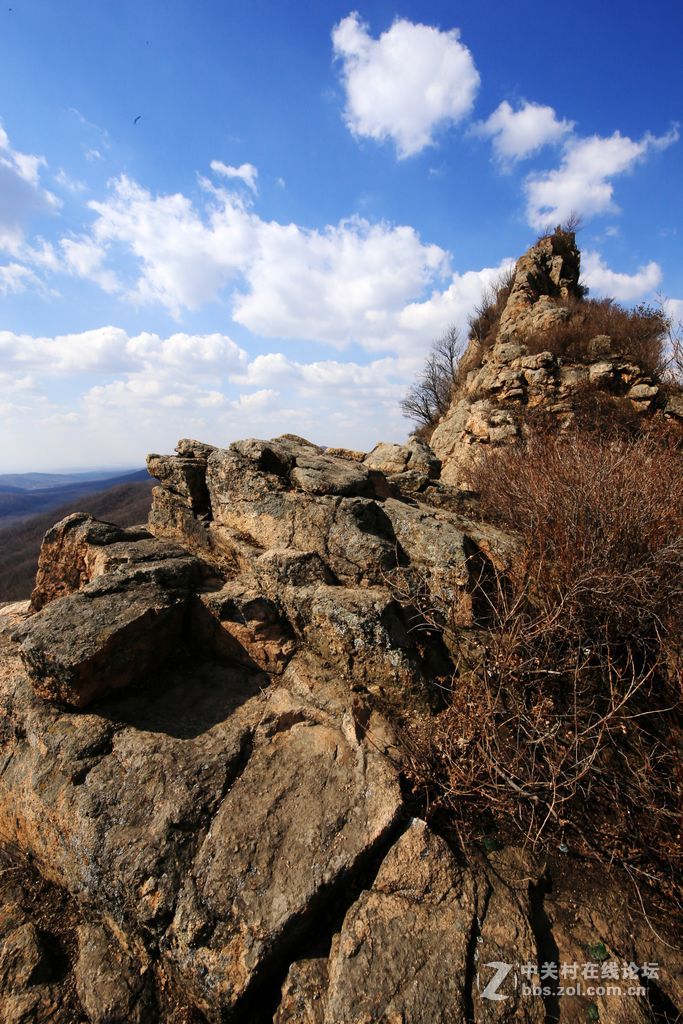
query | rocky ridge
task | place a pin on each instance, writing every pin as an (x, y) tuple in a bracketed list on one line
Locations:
[(491, 404), (197, 767)]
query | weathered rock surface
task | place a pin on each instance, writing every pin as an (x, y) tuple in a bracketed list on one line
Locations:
[(195, 763), (504, 383), (303, 993), (388, 961), (412, 466), (202, 811), (230, 798), (311, 802), (126, 618), (73, 553), (112, 984)]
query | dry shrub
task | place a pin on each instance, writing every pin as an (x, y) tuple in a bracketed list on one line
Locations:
[(603, 524), (595, 412), (560, 720), (483, 324), (638, 334), (447, 363)]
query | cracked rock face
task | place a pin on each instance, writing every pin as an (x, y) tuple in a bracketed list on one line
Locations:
[(388, 961), (194, 763), (205, 812), (310, 803)]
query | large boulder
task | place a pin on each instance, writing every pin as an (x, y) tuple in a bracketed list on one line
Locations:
[(120, 626), (211, 814), (74, 552), (388, 962), (311, 803), (410, 466)]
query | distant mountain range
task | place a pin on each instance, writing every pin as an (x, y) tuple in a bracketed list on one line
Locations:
[(28, 494), (126, 504), (43, 481)]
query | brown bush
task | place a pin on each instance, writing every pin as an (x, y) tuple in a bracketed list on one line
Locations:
[(483, 324), (560, 718), (638, 334)]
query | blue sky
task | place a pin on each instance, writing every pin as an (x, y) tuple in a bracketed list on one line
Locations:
[(221, 220)]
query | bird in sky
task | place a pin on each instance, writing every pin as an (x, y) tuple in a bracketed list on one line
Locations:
[(136, 119)]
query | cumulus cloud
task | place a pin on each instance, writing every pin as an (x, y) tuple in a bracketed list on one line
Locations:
[(516, 134), (344, 283), (22, 197), (111, 350), (245, 172), (253, 400), (405, 85), (582, 183), (83, 257), (377, 285), (184, 261), (140, 393), (452, 305), (624, 287)]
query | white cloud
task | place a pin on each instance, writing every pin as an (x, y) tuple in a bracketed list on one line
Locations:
[(375, 285), (74, 185), (405, 85), (15, 278), (674, 309), (245, 172), (141, 393), (184, 261), (345, 283), (248, 402), (111, 350), (623, 287), (22, 196), (516, 134), (582, 183), (452, 306), (83, 257)]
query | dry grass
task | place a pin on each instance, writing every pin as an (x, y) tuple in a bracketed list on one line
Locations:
[(483, 324), (638, 334), (560, 721)]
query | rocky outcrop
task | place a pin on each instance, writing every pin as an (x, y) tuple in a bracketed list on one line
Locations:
[(203, 802), (110, 607), (411, 466), (506, 385), (194, 752), (543, 277)]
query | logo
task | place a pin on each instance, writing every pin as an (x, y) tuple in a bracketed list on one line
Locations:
[(501, 972)]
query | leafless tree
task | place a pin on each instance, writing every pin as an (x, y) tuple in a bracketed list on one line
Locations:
[(429, 399)]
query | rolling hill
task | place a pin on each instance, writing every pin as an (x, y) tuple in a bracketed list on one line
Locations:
[(125, 504), (23, 495)]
